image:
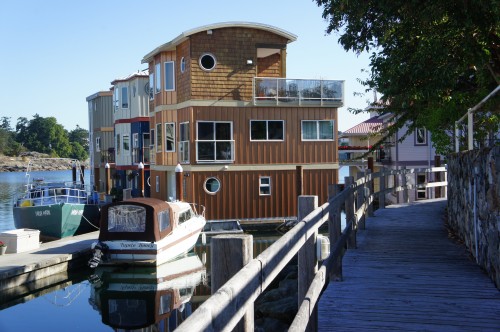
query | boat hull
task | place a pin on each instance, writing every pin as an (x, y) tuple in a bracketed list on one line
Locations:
[(167, 249), (57, 221)]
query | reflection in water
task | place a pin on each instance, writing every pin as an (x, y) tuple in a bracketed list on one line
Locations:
[(136, 297)]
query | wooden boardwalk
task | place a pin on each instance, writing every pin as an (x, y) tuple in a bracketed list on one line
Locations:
[(407, 275)]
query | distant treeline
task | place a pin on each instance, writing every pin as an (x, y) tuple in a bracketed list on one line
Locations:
[(43, 135)]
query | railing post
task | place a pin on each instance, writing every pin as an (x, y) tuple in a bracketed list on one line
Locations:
[(307, 258), (368, 193), (381, 195), (405, 189), (360, 198), (349, 212), (233, 252), (335, 230), (437, 176)]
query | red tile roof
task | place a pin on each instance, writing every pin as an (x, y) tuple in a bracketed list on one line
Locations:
[(369, 126)]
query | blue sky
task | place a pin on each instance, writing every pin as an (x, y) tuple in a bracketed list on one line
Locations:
[(55, 53)]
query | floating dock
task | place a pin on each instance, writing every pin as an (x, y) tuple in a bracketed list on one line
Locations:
[(49, 259)]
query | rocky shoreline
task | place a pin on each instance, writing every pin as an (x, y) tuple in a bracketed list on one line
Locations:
[(19, 164)]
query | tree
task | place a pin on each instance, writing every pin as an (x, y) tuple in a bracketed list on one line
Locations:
[(43, 135), (80, 138), (431, 61)]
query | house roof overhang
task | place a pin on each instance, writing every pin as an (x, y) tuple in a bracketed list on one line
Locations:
[(171, 45)]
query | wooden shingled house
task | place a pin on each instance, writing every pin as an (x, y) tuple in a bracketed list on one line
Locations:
[(249, 139)]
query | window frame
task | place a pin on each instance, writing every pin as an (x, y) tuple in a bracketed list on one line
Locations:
[(205, 185), (415, 134), (265, 185), (158, 78), (126, 143), (184, 136), (183, 65), (172, 125), (124, 99), (98, 144), (210, 55), (318, 131), (151, 86), (116, 99), (159, 137), (267, 131), (214, 140), (169, 65)]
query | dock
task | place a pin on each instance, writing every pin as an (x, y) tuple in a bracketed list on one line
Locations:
[(49, 259), (407, 274)]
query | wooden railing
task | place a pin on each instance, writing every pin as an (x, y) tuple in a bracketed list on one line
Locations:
[(235, 299)]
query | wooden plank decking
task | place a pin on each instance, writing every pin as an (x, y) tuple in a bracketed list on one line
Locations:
[(407, 275)]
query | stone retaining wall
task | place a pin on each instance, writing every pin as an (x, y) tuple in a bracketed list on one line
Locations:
[(482, 168)]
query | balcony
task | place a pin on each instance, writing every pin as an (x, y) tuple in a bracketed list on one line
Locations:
[(349, 154), (301, 92), (108, 156), (141, 155)]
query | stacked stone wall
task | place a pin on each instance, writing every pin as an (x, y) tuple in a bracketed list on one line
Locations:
[(473, 183)]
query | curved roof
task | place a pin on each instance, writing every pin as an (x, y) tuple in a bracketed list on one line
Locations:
[(171, 45)]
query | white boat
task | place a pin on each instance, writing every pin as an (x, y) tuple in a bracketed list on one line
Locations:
[(146, 231), (144, 297)]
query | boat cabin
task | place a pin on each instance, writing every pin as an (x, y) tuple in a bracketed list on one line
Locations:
[(142, 219)]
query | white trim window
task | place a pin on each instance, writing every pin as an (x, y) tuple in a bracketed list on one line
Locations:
[(184, 142), (151, 86), (183, 65), (135, 140), (212, 185), (98, 144), (158, 78), (420, 136), (265, 186), (116, 99), (317, 130), (169, 68), (126, 144), (214, 141), (170, 137), (267, 130), (159, 140), (124, 96)]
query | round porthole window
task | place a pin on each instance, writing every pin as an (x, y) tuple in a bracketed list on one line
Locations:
[(212, 185), (183, 64), (207, 62)]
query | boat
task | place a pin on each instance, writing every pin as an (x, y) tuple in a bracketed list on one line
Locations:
[(57, 209), (146, 231), (145, 297)]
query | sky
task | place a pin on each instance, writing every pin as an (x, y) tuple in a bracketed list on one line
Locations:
[(67, 50)]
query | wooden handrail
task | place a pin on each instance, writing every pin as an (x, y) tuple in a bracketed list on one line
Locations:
[(224, 309)]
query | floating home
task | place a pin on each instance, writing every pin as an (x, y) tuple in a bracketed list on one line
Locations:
[(249, 139)]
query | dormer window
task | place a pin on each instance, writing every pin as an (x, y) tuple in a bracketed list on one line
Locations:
[(207, 61)]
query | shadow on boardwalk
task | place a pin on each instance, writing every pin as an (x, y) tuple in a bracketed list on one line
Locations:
[(407, 275)]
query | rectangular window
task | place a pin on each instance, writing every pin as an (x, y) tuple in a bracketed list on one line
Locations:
[(317, 130), (159, 139), (420, 136), (215, 141), (264, 186), (98, 144), (184, 142), (266, 130), (169, 75), (126, 144), (124, 97), (151, 86), (118, 144), (170, 137), (157, 182), (158, 78), (116, 99), (135, 140)]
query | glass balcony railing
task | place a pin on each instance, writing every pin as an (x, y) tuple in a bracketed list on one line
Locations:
[(285, 91)]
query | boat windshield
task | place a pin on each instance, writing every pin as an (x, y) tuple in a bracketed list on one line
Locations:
[(127, 218), (186, 215)]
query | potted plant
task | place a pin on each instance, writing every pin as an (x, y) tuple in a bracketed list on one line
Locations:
[(3, 248)]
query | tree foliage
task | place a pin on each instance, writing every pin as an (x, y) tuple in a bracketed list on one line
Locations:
[(431, 61)]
